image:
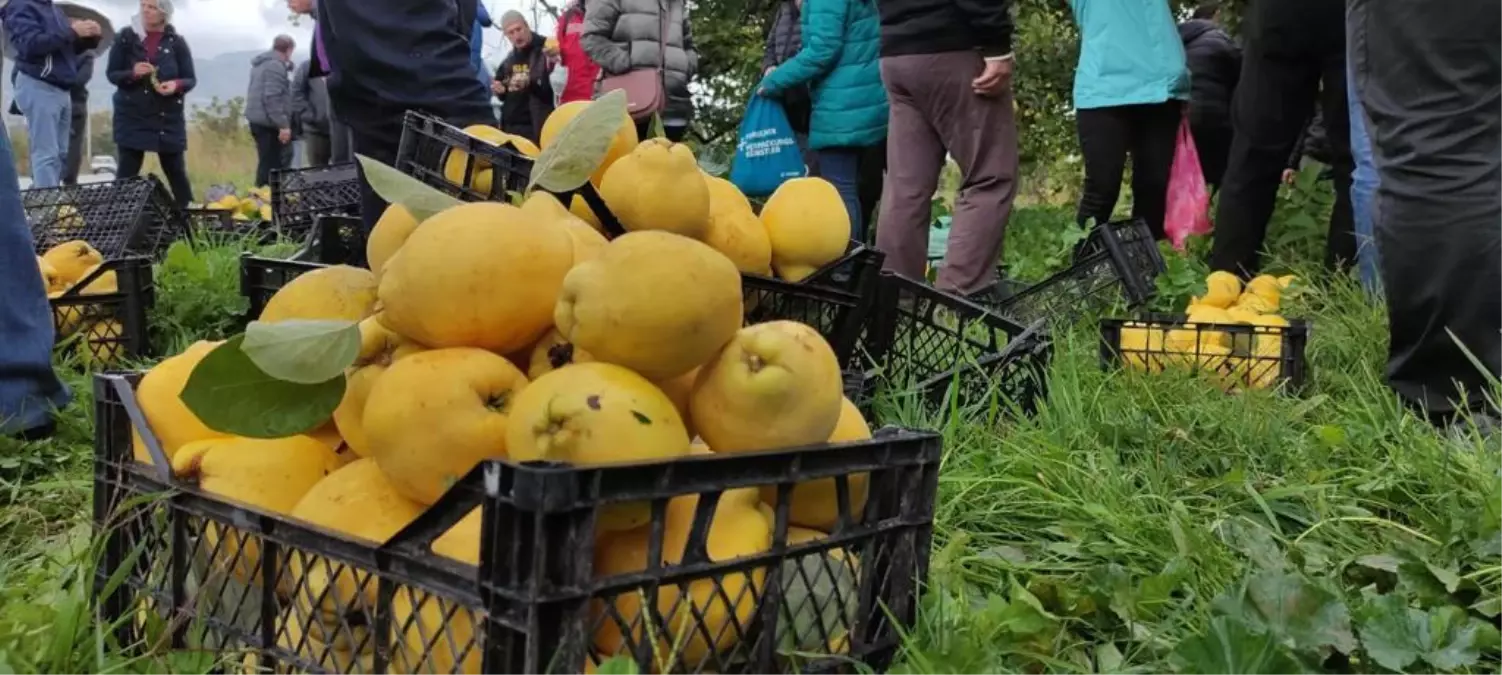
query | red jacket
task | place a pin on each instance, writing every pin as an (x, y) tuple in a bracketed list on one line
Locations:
[(582, 72)]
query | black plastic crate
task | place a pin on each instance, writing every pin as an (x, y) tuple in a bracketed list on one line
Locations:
[(122, 218), (300, 196), (428, 143), (195, 571), (925, 343), (1118, 260), (837, 315), (339, 240), (106, 328), (1239, 356)]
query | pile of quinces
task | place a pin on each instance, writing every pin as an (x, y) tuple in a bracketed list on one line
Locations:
[(1239, 358), (520, 333)]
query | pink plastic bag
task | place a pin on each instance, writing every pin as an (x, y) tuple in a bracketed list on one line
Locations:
[(1188, 211)]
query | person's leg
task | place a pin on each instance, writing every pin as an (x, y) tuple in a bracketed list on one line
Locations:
[(263, 158), (1340, 242), (1105, 135), (1212, 144), (1363, 191), (1428, 84), (176, 169), (340, 143), (79, 119), (29, 388), (980, 132), (47, 110), (841, 167), (317, 150), (870, 175), (129, 162), (1156, 130), (915, 155), (1273, 100)]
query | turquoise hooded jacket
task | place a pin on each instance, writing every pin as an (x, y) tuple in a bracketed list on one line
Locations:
[(840, 61), (1130, 54)]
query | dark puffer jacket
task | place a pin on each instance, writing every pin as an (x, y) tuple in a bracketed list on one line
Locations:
[(1214, 69), (623, 36), (145, 120)]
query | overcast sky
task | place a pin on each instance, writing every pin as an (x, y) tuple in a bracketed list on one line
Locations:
[(216, 26)]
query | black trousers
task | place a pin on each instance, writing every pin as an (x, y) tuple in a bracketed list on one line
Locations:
[(1107, 136), (79, 121), (869, 180), (1275, 97), (269, 153), (675, 134), (173, 165), (1428, 84), (1213, 144)]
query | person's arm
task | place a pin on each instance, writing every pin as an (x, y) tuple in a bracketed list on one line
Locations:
[(274, 96), (990, 21), (599, 28), (300, 100), (28, 31), (823, 39), (187, 75), (119, 70)]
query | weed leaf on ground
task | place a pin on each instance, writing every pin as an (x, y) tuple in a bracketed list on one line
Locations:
[(233, 396), (302, 351), (1293, 609), (1229, 646), (1446, 638)]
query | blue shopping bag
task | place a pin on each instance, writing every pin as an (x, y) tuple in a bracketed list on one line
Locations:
[(767, 153)]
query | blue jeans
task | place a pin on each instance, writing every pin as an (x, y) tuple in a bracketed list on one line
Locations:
[(841, 167), (1363, 191), (29, 389), (48, 110)]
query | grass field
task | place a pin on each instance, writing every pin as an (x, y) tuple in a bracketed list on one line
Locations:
[(1139, 523)]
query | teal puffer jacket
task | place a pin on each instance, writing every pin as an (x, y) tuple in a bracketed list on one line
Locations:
[(840, 61)]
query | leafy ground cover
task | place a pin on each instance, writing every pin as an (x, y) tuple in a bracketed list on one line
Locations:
[(1139, 523)]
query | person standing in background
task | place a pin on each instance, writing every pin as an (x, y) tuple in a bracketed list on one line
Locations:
[(387, 58), (522, 80), (1294, 57), (839, 66), (625, 36), (582, 71), (340, 144), (1426, 74), (152, 70), (947, 66), (310, 97), (47, 47), (78, 119), (1364, 182), (1214, 61), (30, 390), (1129, 92), (268, 107), (783, 41)]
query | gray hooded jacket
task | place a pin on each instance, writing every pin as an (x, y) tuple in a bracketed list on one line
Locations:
[(622, 36), (268, 102)]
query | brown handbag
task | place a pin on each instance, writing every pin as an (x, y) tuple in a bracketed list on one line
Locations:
[(646, 94)]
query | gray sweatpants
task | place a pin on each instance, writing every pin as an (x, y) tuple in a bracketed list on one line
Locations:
[(935, 112)]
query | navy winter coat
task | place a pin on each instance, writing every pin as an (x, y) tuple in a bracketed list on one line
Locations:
[(145, 120)]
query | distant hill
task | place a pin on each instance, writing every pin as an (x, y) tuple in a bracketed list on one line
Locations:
[(224, 76)]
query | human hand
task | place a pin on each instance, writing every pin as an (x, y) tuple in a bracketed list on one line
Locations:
[(995, 79), (167, 88), (142, 69), (1289, 175), (85, 28), (284, 135), (518, 82), (550, 46)]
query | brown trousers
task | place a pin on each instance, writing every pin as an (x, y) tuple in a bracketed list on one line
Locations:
[(934, 112)]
